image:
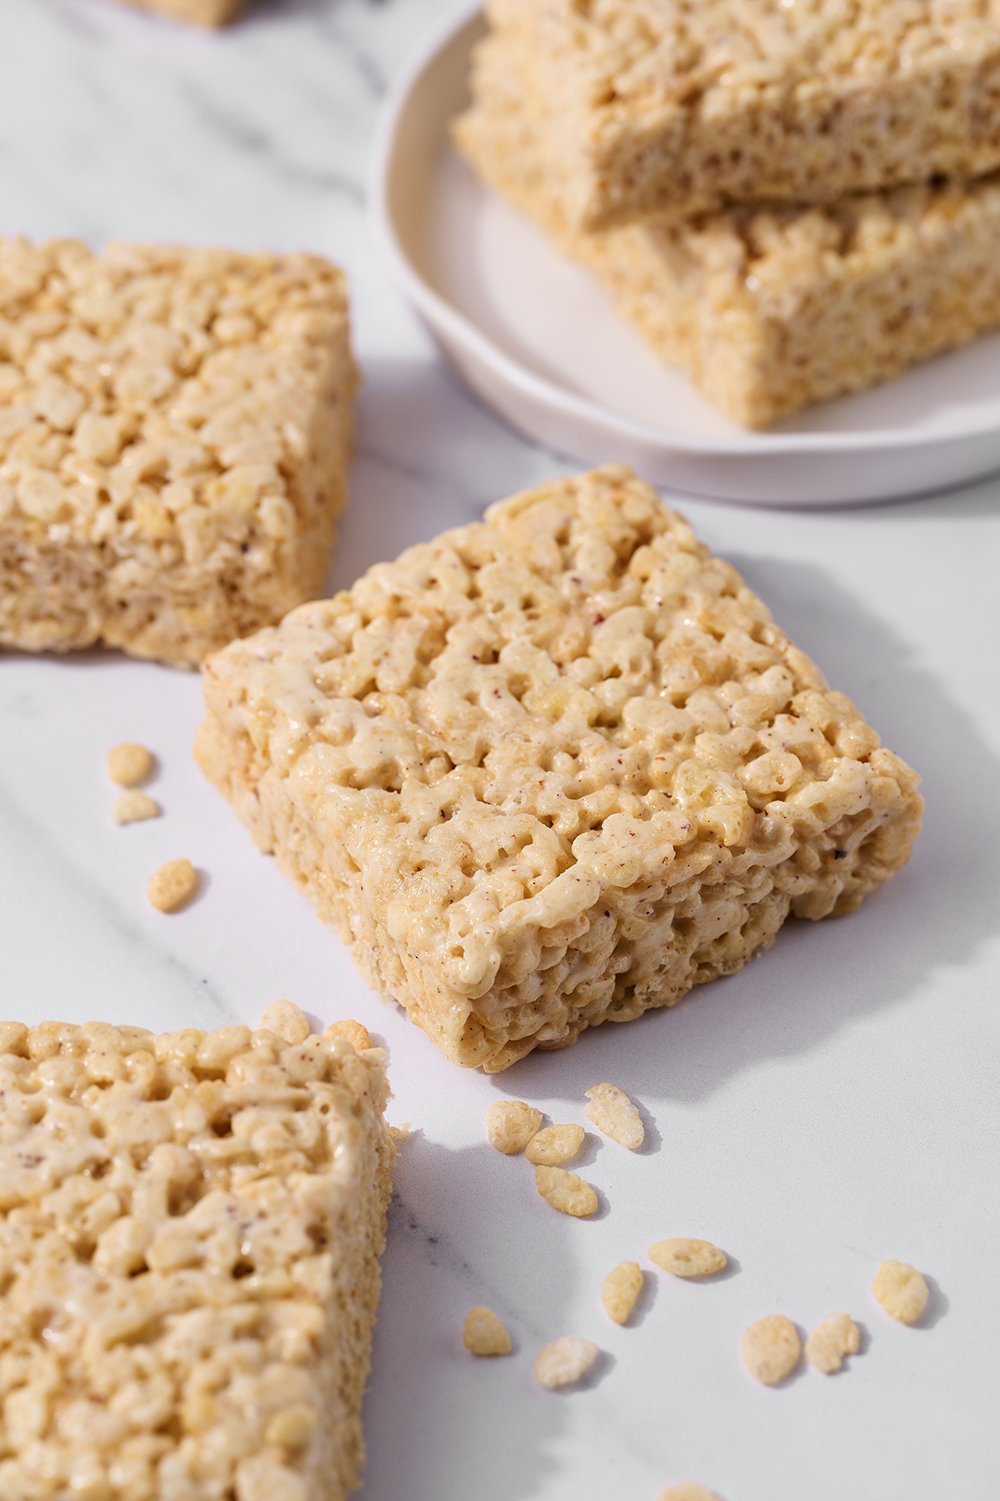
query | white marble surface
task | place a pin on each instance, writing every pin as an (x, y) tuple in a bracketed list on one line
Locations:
[(833, 1105)]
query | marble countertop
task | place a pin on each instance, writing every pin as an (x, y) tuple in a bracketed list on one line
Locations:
[(833, 1105)]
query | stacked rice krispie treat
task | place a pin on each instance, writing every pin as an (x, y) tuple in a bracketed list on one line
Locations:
[(789, 201)]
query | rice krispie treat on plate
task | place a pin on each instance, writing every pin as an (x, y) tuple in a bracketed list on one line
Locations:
[(175, 426), (190, 1228), (686, 105), (552, 769), (768, 309)]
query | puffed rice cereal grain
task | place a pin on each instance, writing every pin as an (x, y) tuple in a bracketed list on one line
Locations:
[(566, 1192), (552, 769), (614, 1114), (175, 426), (353, 1032), (688, 1490), (172, 885), (510, 1125), (201, 12), (555, 1144), (771, 1349), (565, 1361), (684, 1257), (620, 1291), (135, 807), (901, 1291), (831, 1342), (291, 1023), (130, 765), (190, 1227), (484, 1334)]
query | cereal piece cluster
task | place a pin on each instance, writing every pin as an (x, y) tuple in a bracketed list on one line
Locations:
[(189, 1231)]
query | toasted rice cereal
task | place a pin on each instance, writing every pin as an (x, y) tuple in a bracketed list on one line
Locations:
[(688, 1490), (772, 1349), (831, 1342), (620, 1291), (566, 1192), (135, 807), (511, 1124), (565, 1361), (484, 1334), (201, 12), (614, 1114), (289, 1022), (902, 1291), (172, 885), (684, 1257), (555, 1144), (130, 765)]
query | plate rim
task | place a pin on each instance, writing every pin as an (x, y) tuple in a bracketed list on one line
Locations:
[(436, 309)]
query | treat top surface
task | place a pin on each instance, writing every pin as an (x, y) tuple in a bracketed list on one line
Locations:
[(147, 387), (646, 53), (570, 696), (170, 1208)]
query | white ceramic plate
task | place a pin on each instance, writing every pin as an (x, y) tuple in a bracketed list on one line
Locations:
[(539, 341)]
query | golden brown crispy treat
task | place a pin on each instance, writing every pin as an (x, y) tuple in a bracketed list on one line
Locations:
[(687, 105), (174, 432), (190, 1228), (552, 769), (201, 12), (768, 309)]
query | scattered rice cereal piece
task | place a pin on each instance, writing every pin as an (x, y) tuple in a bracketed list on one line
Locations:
[(620, 1291), (358, 1036), (199, 12), (688, 1490), (206, 1212), (613, 1112), (135, 807), (831, 1342), (484, 1334), (564, 1361), (287, 1020), (554, 1144), (566, 1192), (771, 1349), (510, 1125), (901, 1290), (129, 764), (683, 1257), (172, 885)]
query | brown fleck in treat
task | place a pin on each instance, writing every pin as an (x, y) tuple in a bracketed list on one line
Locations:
[(565, 1361), (771, 1349), (688, 1490), (566, 1192), (484, 1334), (135, 807), (684, 1257), (684, 105), (173, 885), (552, 769), (174, 434), (614, 1114), (190, 1228), (290, 1023), (555, 1144), (768, 309), (511, 1124), (200, 12), (620, 1291), (831, 1342), (130, 765), (902, 1291)]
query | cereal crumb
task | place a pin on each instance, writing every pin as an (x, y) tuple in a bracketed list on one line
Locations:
[(771, 1349), (293, 1427), (484, 1334), (172, 885), (358, 1036), (901, 1290), (620, 1291), (554, 1144), (831, 1342), (130, 765), (564, 1361), (566, 1192), (683, 1257), (510, 1125), (135, 807), (287, 1020), (613, 1112), (688, 1490)]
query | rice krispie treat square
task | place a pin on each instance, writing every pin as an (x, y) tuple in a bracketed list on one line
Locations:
[(175, 426), (552, 769), (201, 12), (687, 105), (190, 1228), (768, 309)]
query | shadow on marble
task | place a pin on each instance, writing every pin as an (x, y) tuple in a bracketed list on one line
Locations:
[(816, 980), (453, 1435)]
